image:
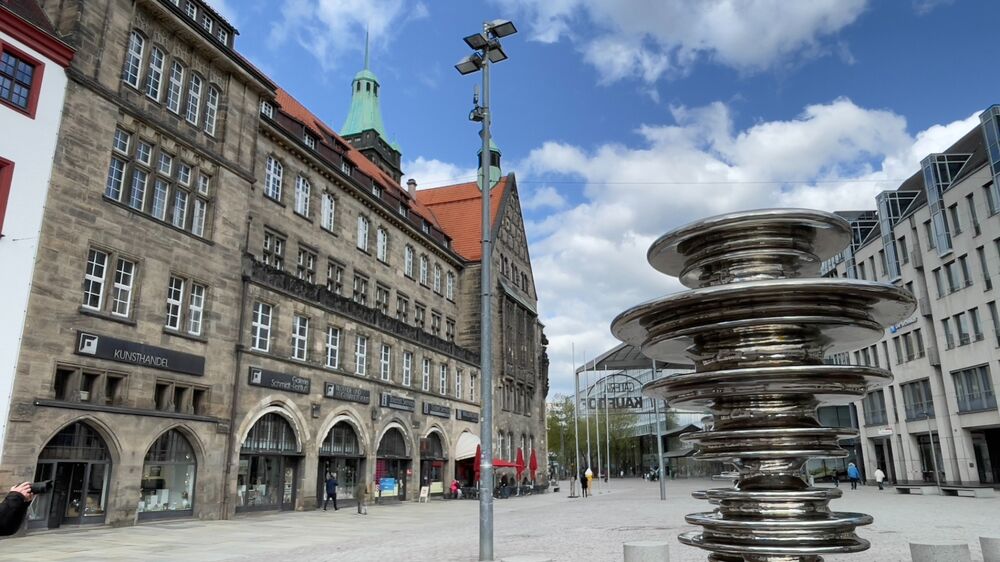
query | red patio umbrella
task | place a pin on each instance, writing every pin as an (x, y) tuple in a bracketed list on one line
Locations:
[(533, 464), (475, 465), (520, 462)]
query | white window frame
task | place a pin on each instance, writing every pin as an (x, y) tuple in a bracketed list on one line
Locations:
[(261, 326), (361, 355), (267, 109), (443, 379), (175, 302), (332, 347), (437, 279), (424, 265), (124, 282), (408, 261), (115, 183), (194, 100), (362, 233), (407, 368), (137, 193), (196, 309), (381, 244), (458, 384), (175, 87), (200, 214), (132, 71), (450, 286), (300, 337), (327, 220), (161, 196), (303, 190), (94, 277), (154, 73), (386, 361), (179, 216), (426, 381), (211, 110), (273, 173)]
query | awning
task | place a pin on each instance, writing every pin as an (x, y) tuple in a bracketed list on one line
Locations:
[(466, 446)]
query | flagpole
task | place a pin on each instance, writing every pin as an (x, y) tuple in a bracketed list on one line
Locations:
[(586, 385), (576, 423), (607, 430), (597, 427)]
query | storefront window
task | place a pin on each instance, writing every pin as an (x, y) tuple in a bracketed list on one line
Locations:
[(340, 454), (432, 463), (78, 463), (268, 466), (168, 476)]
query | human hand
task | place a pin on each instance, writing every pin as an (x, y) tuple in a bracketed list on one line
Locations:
[(24, 488)]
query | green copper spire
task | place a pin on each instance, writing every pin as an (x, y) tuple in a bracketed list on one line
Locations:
[(494, 162), (365, 111)]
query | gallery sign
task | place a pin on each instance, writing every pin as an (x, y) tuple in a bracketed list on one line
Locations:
[(134, 353), (278, 381), (465, 415), (436, 410), (347, 393), (387, 400)]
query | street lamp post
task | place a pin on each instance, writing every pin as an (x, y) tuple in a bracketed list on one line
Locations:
[(937, 474), (486, 45)]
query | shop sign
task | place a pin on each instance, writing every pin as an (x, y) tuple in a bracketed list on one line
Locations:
[(896, 327), (885, 431), (465, 415), (387, 400), (134, 353), (436, 410), (347, 393), (278, 381), (615, 403)]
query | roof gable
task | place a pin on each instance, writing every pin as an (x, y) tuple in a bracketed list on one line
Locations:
[(458, 209)]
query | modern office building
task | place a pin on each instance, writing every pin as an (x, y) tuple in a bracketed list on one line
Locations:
[(938, 236), (231, 300)]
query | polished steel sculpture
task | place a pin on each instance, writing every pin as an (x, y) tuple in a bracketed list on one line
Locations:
[(757, 326)]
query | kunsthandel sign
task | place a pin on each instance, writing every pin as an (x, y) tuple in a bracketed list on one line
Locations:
[(140, 354)]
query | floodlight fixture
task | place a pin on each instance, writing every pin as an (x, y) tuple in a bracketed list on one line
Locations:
[(496, 53), (470, 64), (476, 41), (501, 28)]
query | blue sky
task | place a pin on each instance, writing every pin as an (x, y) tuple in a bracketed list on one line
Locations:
[(624, 119)]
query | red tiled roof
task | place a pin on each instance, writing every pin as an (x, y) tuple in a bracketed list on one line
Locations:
[(292, 107), (31, 12), (459, 211)]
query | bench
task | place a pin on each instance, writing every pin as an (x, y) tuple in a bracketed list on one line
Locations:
[(969, 491)]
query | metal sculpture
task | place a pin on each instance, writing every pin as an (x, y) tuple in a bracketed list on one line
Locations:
[(757, 325)]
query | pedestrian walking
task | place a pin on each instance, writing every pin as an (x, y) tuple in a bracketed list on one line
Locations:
[(836, 478), (583, 483), (331, 490), (360, 491), (879, 477), (590, 478), (854, 475)]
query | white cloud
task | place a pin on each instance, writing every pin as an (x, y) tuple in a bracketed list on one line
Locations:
[(589, 259), (429, 172), (334, 29), (652, 37), (542, 198)]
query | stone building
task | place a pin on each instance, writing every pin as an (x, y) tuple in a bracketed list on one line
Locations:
[(938, 236), (231, 300)]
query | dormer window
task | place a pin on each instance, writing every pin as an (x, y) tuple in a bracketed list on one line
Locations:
[(267, 109), (223, 35), (346, 168), (426, 227), (207, 22), (192, 10), (309, 140), (377, 190), (403, 211)]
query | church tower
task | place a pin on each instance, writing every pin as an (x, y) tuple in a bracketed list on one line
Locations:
[(494, 163), (363, 127)]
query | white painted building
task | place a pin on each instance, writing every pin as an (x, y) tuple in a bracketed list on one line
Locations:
[(32, 86)]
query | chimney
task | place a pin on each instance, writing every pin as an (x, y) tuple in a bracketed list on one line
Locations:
[(411, 186)]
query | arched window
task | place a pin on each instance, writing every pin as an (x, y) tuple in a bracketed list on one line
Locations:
[(499, 452), (211, 110), (175, 88), (423, 270), (393, 445), (382, 244), (437, 278), (431, 447), (272, 178), (450, 287), (362, 233), (78, 460), (408, 261), (168, 477), (154, 76), (133, 59), (329, 210), (341, 441), (510, 445), (302, 193), (271, 433), (194, 99)]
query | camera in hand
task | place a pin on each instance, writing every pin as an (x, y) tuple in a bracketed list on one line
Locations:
[(41, 487)]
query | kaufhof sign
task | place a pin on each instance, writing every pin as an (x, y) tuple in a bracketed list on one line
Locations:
[(615, 392)]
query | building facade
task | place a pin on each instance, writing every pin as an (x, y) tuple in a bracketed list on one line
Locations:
[(231, 301), (938, 236), (32, 87)]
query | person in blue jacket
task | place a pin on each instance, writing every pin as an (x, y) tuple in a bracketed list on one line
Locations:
[(854, 475), (331, 490)]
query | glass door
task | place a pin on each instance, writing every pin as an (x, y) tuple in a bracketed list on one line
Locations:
[(288, 482)]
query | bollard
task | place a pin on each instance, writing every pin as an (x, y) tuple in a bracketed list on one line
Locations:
[(991, 548), (947, 552), (647, 551)]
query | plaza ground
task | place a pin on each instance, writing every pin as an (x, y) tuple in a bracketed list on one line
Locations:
[(550, 524)]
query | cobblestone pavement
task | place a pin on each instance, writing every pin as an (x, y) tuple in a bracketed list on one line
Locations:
[(551, 525)]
